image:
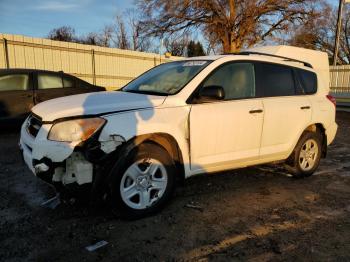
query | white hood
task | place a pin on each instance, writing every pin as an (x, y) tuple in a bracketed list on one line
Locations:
[(94, 104)]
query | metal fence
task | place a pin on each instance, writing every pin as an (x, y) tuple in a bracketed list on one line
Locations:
[(108, 67)]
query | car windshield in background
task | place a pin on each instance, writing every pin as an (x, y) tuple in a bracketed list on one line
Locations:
[(166, 79)]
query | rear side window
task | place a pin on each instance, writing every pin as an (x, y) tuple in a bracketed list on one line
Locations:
[(275, 80), (14, 82), (48, 81), (308, 81)]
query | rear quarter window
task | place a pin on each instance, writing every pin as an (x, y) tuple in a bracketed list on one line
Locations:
[(308, 81)]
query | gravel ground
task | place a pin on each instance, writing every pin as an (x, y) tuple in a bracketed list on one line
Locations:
[(255, 214)]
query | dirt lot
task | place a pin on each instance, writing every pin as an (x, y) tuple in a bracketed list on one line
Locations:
[(255, 214)]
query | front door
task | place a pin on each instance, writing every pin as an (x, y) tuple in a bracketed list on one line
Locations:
[(224, 133)]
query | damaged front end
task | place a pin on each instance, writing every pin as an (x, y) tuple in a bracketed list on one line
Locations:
[(69, 155)]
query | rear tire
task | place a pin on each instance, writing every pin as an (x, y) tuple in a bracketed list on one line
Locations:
[(306, 156), (143, 182)]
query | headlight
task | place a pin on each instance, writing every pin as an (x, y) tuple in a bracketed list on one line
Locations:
[(75, 130)]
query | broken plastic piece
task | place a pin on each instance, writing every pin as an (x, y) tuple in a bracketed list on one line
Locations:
[(77, 170), (193, 206), (52, 203), (40, 168), (97, 245), (110, 145)]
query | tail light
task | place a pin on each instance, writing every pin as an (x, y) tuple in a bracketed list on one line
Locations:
[(332, 99)]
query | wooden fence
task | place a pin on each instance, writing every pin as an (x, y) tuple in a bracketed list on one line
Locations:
[(108, 67)]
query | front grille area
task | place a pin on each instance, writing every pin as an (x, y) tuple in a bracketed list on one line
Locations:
[(33, 125)]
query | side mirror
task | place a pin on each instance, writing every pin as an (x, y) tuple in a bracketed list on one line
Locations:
[(208, 93)]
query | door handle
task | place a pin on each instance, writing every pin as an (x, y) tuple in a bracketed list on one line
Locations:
[(305, 107), (257, 111)]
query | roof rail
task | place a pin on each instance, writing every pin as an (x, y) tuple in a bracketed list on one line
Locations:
[(277, 56)]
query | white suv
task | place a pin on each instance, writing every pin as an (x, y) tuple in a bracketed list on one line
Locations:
[(184, 118)]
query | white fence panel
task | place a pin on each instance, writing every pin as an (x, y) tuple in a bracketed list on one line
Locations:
[(340, 80)]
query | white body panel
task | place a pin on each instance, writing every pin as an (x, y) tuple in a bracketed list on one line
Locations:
[(223, 133), (284, 121), (150, 121), (211, 136), (94, 104)]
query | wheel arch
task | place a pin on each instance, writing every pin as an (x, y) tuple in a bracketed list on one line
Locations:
[(319, 127), (166, 141)]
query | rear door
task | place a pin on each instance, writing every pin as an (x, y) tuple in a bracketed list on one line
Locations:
[(16, 96), (48, 86), (287, 110)]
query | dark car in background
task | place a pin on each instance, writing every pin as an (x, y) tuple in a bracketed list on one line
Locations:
[(21, 89)]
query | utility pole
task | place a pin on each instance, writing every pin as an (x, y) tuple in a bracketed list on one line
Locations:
[(160, 50), (337, 35)]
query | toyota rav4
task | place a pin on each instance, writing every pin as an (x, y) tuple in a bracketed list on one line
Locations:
[(183, 118)]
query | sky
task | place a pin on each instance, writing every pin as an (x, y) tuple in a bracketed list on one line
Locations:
[(36, 18)]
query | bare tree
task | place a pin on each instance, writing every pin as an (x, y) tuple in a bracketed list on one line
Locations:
[(177, 44), (63, 33), (90, 39), (124, 33), (121, 40), (100, 38), (139, 41), (232, 23), (105, 36), (319, 33)]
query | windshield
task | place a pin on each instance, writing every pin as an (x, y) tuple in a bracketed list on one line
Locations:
[(166, 79)]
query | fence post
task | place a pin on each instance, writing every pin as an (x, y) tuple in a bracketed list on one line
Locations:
[(6, 54), (93, 66)]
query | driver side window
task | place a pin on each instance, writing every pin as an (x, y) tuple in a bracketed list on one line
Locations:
[(237, 80)]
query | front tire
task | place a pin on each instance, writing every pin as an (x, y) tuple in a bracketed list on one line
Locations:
[(306, 156), (143, 182)]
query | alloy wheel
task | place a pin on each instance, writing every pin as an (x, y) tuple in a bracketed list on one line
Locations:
[(308, 155), (143, 183)]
